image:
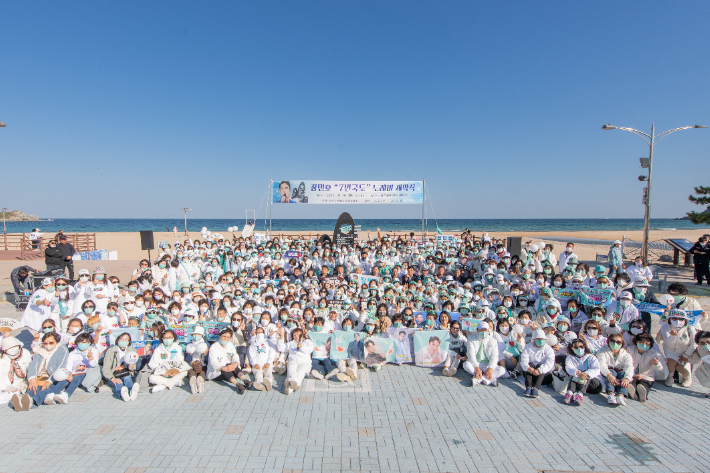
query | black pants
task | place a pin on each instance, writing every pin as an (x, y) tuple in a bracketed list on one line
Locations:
[(532, 381), (702, 270), (643, 382), (228, 375), (69, 265), (592, 386)]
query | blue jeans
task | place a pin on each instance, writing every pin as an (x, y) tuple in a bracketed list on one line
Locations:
[(616, 389), (70, 386), (39, 394), (125, 381), (327, 364)]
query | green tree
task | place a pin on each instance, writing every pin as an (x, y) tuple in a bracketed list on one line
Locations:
[(703, 198)]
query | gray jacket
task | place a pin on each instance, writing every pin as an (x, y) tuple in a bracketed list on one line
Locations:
[(56, 361)]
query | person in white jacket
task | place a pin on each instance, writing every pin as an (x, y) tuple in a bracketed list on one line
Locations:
[(457, 349), (701, 359), (198, 350), (649, 363), (616, 369), (14, 362), (482, 363), (262, 352), (167, 353), (583, 367), (223, 363), (536, 360), (299, 351), (678, 346)]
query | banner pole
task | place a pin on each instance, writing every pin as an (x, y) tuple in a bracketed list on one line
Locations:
[(271, 185), (423, 208)]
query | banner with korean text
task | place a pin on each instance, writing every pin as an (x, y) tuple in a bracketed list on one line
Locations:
[(346, 192)]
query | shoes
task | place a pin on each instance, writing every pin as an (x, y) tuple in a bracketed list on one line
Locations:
[(642, 393), (248, 383), (134, 392), (535, 392), (241, 389), (62, 398), (281, 369), (578, 399), (669, 381), (351, 373), (316, 374), (125, 395), (200, 385), (514, 375), (528, 392), (687, 382), (267, 384), (287, 386), (193, 385), (494, 383), (567, 398), (295, 386), (612, 399), (16, 404), (620, 400), (96, 389), (26, 402), (157, 388), (342, 377), (452, 371), (332, 373), (49, 400), (246, 370), (632, 391), (259, 386), (474, 381), (445, 372), (377, 367)]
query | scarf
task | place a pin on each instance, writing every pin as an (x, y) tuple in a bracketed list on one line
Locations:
[(15, 369)]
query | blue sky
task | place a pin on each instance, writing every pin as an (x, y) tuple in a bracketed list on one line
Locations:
[(136, 109)]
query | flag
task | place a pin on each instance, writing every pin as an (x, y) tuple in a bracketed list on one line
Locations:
[(438, 230)]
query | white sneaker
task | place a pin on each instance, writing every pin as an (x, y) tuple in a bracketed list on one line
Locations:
[(612, 399), (157, 388), (267, 384), (200, 385), (193, 385), (445, 371), (351, 373), (49, 400), (332, 373), (125, 395), (287, 386), (620, 400), (452, 372), (259, 386), (475, 382), (343, 377), (134, 392), (295, 386), (316, 374), (62, 398)]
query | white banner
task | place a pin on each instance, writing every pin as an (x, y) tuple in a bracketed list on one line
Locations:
[(346, 192)]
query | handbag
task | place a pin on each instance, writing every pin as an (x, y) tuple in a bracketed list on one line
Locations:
[(122, 373)]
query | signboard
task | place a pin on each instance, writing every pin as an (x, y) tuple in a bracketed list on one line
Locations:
[(346, 192), (445, 239), (361, 279), (344, 233), (293, 254)]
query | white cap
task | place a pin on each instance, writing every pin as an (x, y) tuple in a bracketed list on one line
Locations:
[(483, 325), (129, 299), (617, 242), (198, 329), (626, 295), (84, 272), (9, 342), (539, 333), (46, 282)]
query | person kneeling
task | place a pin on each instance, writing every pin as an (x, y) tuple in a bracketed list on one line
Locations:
[(482, 362)]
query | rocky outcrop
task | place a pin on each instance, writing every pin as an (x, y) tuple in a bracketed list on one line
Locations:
[(17, 216)]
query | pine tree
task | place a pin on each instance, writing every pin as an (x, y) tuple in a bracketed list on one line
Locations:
[(703, 198)]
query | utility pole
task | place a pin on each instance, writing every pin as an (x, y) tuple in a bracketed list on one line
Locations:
[(185, 209)]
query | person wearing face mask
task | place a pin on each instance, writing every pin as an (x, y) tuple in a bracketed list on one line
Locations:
[(683, 302), (639, 270), (198, 353), (14, 362), (536, 360), (482, 363), (152, 317), (510, 346), (592, 332), (262, 353), (53, 256), (63, 303), (112, 317), (130, 309), (678, 346), (583, 367), (565, 256), (457, 349), (576, 316), (701, 259), (99, 291), (616, 369), (550, 313), (118, 371), (701, 359), (527, 326), (39, 307), (299, 351), (167, 363), (623, 312), (649, 364), (642, 293), (47, 359)]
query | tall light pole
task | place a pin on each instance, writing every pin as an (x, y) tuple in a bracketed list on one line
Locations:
[(4, 232), (185, 209), (650, 141)]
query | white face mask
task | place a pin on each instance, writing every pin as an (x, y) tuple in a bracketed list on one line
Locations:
[(140, 304), (259, 338), (504, 330), (524, 321), (13, 352), (128, 307), (541, 281), (264, 322), (507, 304), (635, 331), (592, 332), (677, 323), (175, 311)]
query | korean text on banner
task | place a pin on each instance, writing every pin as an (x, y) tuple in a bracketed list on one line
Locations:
[(346, 192)]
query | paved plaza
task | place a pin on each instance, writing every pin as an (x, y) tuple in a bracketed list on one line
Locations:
[(400, 419)]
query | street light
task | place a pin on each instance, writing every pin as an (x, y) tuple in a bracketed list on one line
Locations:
[(4, 232), (185, 209), (648, 163)]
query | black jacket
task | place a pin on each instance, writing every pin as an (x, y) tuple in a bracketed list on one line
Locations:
[(67, 250), (52, 256), (700, 259)]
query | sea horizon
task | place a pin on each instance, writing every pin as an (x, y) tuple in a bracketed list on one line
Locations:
[(98, 225)]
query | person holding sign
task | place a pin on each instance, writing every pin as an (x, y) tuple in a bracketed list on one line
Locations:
[(482, 360)]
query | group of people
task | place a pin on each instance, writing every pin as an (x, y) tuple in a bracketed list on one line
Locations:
[(267, 297)]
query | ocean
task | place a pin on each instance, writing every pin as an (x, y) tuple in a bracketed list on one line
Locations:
[(91, 225)]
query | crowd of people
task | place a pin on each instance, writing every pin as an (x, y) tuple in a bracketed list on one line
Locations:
[(523, 314)]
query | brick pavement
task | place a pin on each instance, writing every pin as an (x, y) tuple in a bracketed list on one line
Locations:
[(400, 419)]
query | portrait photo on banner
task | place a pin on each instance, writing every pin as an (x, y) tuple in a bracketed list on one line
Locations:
[(403, 343), (431, 348), (347, 345), (322, 344), (378, 351)]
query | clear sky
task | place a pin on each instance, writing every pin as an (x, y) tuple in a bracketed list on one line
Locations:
[(136, 109)]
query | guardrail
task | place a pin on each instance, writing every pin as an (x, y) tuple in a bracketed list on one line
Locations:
[(28, 247)]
